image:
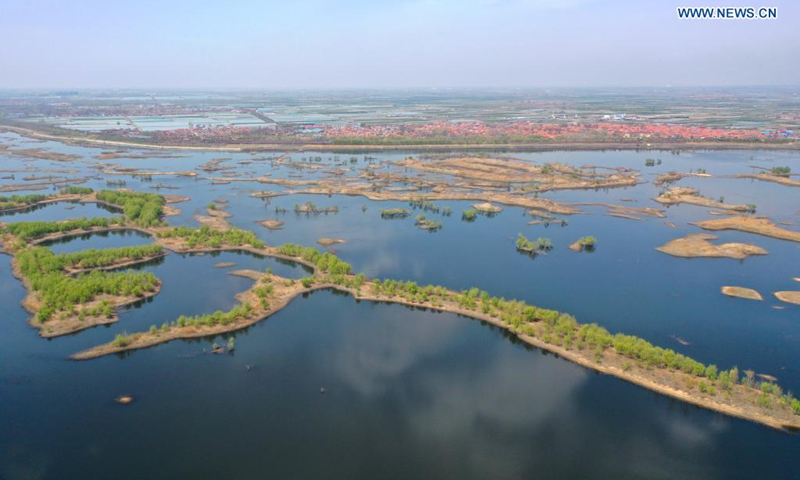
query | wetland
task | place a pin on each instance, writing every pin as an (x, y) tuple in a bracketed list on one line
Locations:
[(411, 374)]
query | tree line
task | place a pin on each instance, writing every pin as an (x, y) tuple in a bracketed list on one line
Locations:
[(326, 262), (46, 261), (205, 236), (32, 230)]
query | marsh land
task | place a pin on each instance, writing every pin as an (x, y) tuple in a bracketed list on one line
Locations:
[(143, 280)]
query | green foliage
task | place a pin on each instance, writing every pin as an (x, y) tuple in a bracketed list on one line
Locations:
[(781, 171), (469, 215), (428, 206), (16, 201), (734, 375), (725, 381), (394, 213), (59, 292), (427, 224), (538, 246), (122, 340), (327, 262), (36, 261), (77, 190), (588, 242), (769, 388), (208, 237), (144, 209), (626, 366), (32, 230), (238, 312)]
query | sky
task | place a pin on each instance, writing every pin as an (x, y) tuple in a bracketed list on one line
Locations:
[(329, 44)]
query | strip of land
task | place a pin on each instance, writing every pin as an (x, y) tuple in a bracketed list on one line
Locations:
[(302, 145), (790, 182), (759, 226)]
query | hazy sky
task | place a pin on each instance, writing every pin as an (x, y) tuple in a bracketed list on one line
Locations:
[(390, 43)]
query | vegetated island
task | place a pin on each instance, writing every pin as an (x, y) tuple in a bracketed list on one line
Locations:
[(391, 213), (533, 247), (742, 292), (759, 226), (624, 356), (424, 223), (584, 244), (699, 245)]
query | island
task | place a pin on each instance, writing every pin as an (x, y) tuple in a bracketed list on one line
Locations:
[(742, 292), (699, 245)]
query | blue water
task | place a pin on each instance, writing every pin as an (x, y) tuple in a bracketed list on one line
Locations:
[(410, 393)]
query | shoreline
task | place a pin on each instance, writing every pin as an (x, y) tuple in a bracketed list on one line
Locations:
[(576, 357), (377, 147)]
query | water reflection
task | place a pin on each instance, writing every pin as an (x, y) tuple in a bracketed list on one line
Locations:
[(59, 211), (107, 239)]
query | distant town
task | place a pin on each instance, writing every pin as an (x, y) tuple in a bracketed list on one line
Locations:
[(412, 117)]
